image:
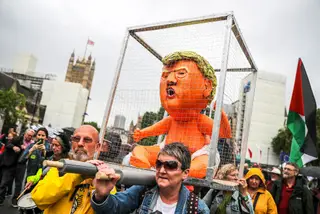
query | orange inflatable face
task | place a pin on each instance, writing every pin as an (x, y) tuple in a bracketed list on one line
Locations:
[(183, 89)]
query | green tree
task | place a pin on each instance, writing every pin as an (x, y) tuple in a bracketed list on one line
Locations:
[(12, 105), (148, 119), (160, 113), (282, 142), (94, 124)]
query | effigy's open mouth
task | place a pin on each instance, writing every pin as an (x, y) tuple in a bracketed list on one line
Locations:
[(170, 92)]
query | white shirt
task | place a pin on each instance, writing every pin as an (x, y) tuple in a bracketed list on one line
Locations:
[(126, 159), (163, 207)]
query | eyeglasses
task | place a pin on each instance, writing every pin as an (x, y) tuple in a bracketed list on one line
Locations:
[(78, 138), (288, 169), (178, 73), (168, 165)]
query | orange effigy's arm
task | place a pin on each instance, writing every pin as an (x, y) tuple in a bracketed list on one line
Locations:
[(156, 129), (205, 125)]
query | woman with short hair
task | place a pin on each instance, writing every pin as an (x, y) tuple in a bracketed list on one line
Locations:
[(60, 146), (169, 195), (229, 202)]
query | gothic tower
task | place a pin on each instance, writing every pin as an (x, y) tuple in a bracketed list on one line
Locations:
[(81, 71)]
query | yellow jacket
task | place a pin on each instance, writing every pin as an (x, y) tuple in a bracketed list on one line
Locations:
[(64, 195), (265, 203)]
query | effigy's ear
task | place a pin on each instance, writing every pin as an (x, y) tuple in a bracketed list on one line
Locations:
[(208, 88)]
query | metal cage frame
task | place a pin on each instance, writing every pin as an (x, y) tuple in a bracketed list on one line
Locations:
[(231, 27)]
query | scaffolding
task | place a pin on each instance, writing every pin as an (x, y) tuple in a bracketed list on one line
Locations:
[(35, 82)]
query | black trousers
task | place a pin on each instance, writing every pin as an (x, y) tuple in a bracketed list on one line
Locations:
[(9, 188), (8, 174), (19, 176)]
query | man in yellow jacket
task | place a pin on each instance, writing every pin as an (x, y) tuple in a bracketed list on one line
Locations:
[(262, 199), (70, 193)]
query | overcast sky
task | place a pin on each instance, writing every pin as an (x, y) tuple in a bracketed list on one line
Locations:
[(276, 32)]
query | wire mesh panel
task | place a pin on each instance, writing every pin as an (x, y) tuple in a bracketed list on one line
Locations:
[(135, 103)]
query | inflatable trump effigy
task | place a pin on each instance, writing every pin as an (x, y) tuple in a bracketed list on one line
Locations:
[(187, 86)]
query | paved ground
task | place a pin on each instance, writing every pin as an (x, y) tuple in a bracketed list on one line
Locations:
[(7, 208)]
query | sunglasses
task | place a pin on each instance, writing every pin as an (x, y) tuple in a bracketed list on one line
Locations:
[(78, 138), (168, 165)]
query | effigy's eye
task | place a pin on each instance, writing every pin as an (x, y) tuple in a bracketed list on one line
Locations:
[(165, 74), (181, 73)]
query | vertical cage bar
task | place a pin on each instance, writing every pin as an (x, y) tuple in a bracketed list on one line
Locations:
[(113, 88), (165, 114), (247, 122), (217, 113)]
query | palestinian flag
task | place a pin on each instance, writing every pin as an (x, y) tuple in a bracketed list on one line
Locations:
[(302, 120)]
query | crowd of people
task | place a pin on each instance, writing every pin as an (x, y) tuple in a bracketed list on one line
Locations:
[(21, 157)]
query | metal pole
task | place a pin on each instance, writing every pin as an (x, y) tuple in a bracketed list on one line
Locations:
[(247, 122), (179, 23), (165, 114), (130, 175), (85, 51), (243, 45), (211, 108), (268, 157), (1, 119), (217, 113), (113, 88)]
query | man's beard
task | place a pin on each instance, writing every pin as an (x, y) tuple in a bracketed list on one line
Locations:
[(286, 176), (79, 155)]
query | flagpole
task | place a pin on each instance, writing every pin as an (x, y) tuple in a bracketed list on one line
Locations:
[(86, 49), (260, 153), (260, 159), (268, 157)]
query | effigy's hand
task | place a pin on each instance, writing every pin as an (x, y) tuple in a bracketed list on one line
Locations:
[(137, 135), (207, 139)]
